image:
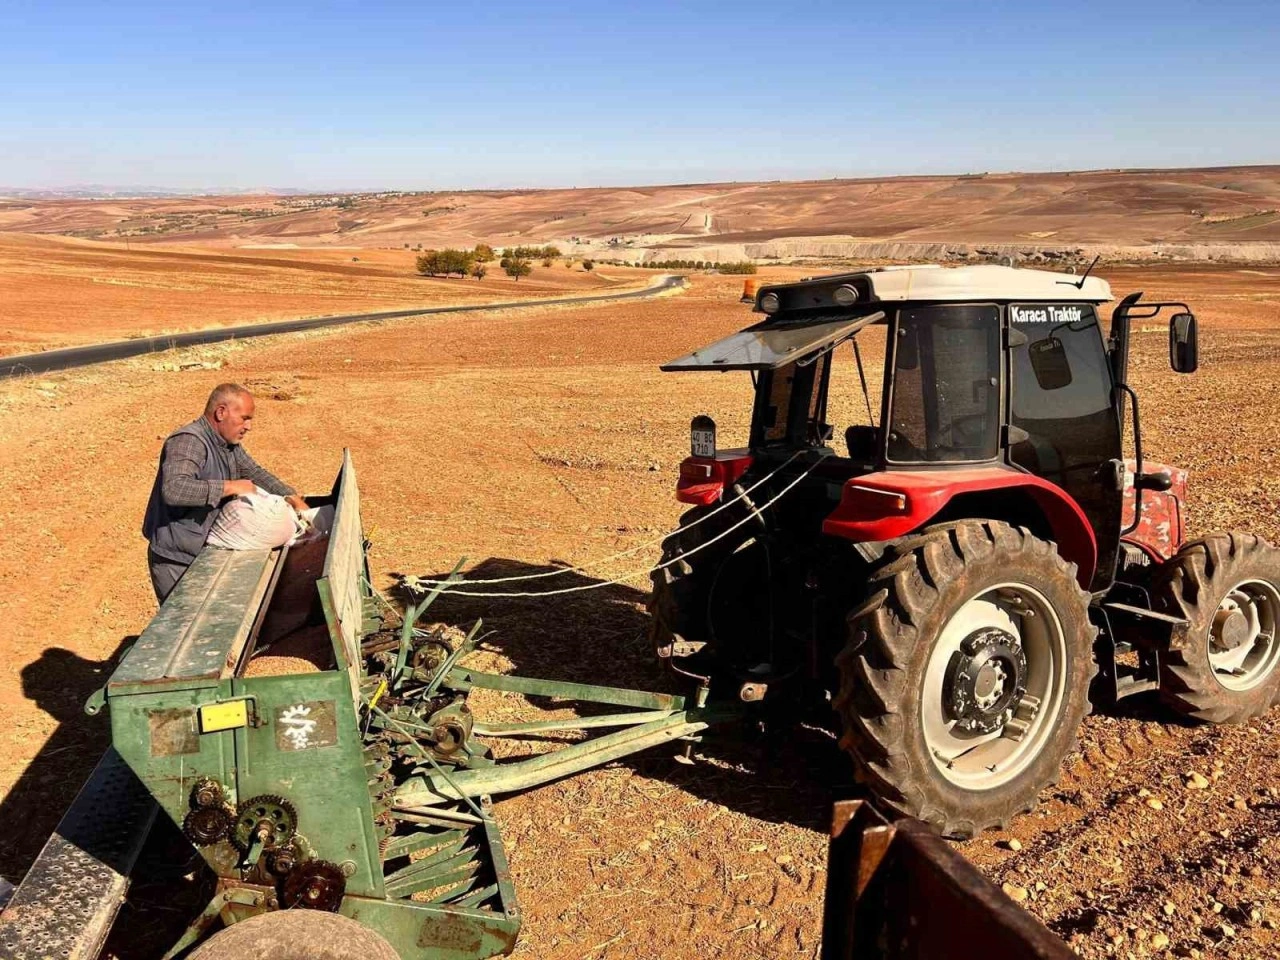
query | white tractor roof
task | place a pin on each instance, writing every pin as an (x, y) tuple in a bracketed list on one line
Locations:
[(981, 282)]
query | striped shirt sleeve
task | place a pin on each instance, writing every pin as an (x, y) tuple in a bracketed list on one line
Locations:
[(250, 469), (184, 457)]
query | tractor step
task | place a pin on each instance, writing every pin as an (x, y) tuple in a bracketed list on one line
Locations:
[(1140, 630), (65, 905)]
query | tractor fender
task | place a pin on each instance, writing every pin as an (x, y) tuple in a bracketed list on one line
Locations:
[(884, 506)]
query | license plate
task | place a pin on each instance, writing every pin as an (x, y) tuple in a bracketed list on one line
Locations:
[(704, 443)]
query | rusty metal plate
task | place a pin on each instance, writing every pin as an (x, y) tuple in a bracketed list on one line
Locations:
[(173, 731)]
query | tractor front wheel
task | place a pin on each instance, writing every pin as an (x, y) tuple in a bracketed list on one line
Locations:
[(966, 674), (1225, 668)]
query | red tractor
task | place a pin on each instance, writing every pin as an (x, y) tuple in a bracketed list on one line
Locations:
[(954, 567)]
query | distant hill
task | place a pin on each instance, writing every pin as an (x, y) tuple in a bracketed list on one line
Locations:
[(1213, 207)]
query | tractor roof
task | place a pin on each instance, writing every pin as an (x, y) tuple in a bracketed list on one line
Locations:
[(931, 283)]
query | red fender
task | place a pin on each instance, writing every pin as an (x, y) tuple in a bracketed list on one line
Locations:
[(882, 506)]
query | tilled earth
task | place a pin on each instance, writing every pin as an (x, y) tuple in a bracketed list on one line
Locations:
[(524, 440)]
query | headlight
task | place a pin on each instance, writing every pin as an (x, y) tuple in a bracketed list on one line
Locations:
[(770, 303), (846, 295)]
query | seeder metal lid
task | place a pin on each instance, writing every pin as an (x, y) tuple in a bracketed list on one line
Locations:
[(771, 345)]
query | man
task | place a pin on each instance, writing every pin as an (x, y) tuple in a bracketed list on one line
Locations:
[(201, 465)]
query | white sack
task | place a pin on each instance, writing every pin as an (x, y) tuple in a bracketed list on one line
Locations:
[(319, 523), (256, 521)]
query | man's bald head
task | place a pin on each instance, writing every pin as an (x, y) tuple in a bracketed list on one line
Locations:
[(229, 411), (224, 393)]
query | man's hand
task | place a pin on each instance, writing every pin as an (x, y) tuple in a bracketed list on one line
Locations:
[(297, 503), (234, 488)]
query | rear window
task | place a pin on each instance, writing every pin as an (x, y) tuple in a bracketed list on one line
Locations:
[(945, 404)]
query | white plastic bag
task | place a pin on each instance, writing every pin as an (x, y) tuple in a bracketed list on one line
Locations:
[(256, 521)]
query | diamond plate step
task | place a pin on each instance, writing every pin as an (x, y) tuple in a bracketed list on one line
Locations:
[(64, 907)]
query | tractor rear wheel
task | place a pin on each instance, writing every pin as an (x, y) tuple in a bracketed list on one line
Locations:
[(966, 674), (296, 935), (1228, 586), (679, 606)]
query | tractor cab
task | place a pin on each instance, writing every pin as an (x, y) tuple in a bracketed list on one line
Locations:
[(991, 382)]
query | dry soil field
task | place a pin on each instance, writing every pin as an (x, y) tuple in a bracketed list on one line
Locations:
[(1213, 205), (57, 291), (550, 436)]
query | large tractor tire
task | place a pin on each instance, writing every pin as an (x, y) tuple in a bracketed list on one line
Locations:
[(1228, 587), (296, 935), (679, 603), (966, 674)]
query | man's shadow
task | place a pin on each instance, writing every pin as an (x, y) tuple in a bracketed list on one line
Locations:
[(785, 769), (168, 879), (59, 683)]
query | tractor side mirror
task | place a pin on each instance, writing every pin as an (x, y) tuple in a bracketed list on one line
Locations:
[(1183, 348)]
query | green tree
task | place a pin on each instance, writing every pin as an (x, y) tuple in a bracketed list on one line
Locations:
[(478, 270), (428, 263), (588, 265), (483, 252), (518, 267)]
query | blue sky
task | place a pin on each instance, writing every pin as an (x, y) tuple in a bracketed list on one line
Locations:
[(437, 96)]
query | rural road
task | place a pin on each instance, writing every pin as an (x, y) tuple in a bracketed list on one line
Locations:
[(48, 361)]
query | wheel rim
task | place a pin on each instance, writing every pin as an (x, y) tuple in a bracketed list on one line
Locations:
[(1242, 649), (977, 760)]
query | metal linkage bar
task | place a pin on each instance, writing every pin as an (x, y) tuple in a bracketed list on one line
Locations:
[(520, 775), (898, 891), (632, 719), (463, 679)]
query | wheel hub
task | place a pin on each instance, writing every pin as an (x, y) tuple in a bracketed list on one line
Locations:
[(985, 679), (1230, 628)]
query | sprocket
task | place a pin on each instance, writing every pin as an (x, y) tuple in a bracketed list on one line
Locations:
[(314, 885), (267, 813), (205, 826)]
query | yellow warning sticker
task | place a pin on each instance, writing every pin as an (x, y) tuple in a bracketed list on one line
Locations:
[(224, 716)]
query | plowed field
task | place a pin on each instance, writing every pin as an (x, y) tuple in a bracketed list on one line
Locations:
[(519, 440)]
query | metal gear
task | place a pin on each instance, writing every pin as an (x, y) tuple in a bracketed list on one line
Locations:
[(314, 885), (283, 861), (268, 815), (205, 826), (208, 792)]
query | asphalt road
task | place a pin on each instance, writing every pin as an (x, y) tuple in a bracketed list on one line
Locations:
[(51, 360)]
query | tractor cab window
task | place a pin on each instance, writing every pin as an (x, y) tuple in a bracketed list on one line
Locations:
[(791, 403), (945, 400), (855, 393)]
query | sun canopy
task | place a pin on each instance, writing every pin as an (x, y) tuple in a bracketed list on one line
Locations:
[(769, 347)]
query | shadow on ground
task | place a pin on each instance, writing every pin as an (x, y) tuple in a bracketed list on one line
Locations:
[(59, 683), (786, 769)]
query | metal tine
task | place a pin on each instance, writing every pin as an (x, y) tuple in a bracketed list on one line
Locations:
[(436, 813), (475, 899), (412, 614), (426, 820), (413, 842), (426, 865), (464, 878), (465, 647)]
